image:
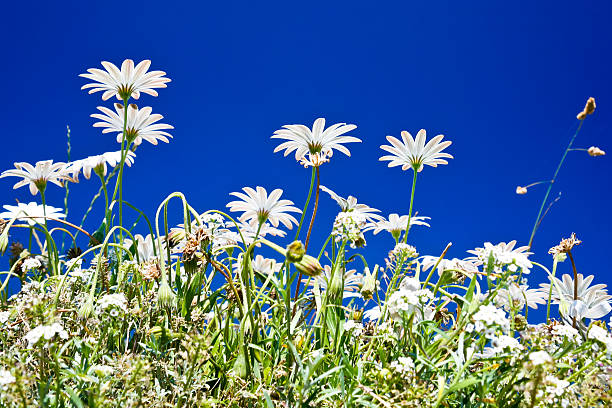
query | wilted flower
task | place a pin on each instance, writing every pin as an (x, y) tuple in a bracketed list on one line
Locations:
[(565, 245), (32, 212), (141, 124), (318, 144), (589, 108), (257, 205), (128, 82), (37, 176), (521, 190), (414, 153), (595, 151)]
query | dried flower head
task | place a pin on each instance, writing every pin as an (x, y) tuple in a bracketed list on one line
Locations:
[(589, 108), (565, 245), (150, 271), (521, 190), (595, 151)]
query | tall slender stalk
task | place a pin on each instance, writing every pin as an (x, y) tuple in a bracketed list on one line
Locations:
[(569, 253), (411, 202), (552, 182), (314, 214)]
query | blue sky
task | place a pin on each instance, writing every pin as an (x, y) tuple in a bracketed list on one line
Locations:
[(503, 81)]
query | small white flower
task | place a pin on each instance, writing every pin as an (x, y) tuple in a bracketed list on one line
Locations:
[(98, 163), (4, 316), (145, 246), (403, 365), (540, 357), (257, 205), (141, 124), (503, 255), (128, 82), (350, 205), (37, 176), (115, 301), (349, 227), (354, 327), (414, 153), (318, 144), (395, 225), (6, 378), (30, 263), (31, 213), (46, 332)]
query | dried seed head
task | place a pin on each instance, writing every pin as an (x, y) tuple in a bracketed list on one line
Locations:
[(150, 271), (565, 245), (589, 108), (521, 190), (595, 151)]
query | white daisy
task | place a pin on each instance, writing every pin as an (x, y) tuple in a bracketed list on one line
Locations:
[(467, 266), (503, 254), (128, 82), (520, 295), (257, 205), (249, 230), (37, 176), (396, 224), (414, 154), (140, 124), (317, 143), (32, 213), (592, 302), (144, 247), (98, 162), (350, 205)]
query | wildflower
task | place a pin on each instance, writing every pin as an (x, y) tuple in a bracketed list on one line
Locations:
[(37, 176), (521, 190), (115, 302), (503, 255), (409, 299), (464, 267), (46, 332), (265, 266), (257, 205), (141, 124), (589, 108), (567, 331), (98, 163), (350, 205), (314, 147), (355, 328), (414, 153), (489, 316), (403, 365), (565, 245), (595, 151), (602, 336), (348, 227), (129, 82), (4, 316), (6, 378), (30, 264), (402, 251), (102, 370), (520, 295), (395, 225), (145, 247), (591, 302), (504, 342), (32, 213), (539, 358), (249, 231), (352, 281)]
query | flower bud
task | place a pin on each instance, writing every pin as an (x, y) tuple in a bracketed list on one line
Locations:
[(3, 242), (165, 295), (239, 367), (369, 284), (295, 251), (520, 323), (521, 190), (87, 309), (309, 266)]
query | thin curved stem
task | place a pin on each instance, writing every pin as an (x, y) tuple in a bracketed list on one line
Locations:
[(312, 179), (552, 182)]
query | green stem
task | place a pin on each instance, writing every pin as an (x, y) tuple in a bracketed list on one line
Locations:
[(554, 178), (314, 214), (119, 182), (106, 210), (312, 178), (411, 202)]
